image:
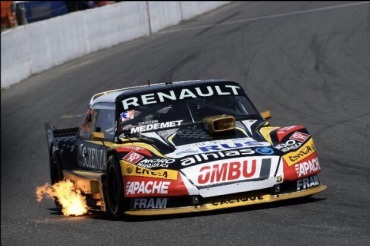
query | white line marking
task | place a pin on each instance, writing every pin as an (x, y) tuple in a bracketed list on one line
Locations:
[(70, 116), (270, 16)]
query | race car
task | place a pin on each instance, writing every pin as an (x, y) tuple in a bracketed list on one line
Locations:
[(180, 147)]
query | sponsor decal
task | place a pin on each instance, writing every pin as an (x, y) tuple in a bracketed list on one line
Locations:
[(308, 182), (279, 179), (135, 187), (155, 126), (234, 145), (214, 156), (226, 172), (239, 200), (286, 129), (292, 172), (288, 145), (180, 94), (214, 146), (133, 157), (147, 187), (92, 157), (233, 171), (127, 115), (150, 203), (308, 167), (295, 156), (151, 163), (134, 149), (264, 151), (133, 170), (299, 136), (282, 132), (303, 152), (129, 169)]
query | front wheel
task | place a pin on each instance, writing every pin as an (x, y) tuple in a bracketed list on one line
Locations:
[(114, 189)]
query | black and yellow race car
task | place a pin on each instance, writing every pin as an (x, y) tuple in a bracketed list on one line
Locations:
[(180, 147)]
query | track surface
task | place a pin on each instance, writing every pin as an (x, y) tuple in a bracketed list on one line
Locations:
[(308, 62)]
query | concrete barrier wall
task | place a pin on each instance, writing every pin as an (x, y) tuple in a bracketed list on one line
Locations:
[(15, 63), (66, 38), (38, 46), (115, 23), (193, 8), (164, 14)]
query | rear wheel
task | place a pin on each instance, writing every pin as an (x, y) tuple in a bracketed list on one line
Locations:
[(56, 175), (114, 189)]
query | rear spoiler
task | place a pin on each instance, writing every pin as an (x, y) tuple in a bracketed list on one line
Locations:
[(52, 133), (49, 135)]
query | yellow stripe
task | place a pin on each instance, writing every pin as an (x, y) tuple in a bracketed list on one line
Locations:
[(106, 143), (265, 131), (210, 206), (133, 170), (170, 139), (129, 144), (304, 151), (142, 145)]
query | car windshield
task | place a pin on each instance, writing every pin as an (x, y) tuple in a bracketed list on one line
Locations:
[(164, 115)]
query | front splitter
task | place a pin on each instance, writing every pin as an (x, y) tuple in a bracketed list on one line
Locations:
[(237, 201)]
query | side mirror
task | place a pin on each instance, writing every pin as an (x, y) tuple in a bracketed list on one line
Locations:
[(97, 136), (266, 114)]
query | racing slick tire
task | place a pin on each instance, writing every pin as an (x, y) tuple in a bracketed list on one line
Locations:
[(116, 204), (56, 175)]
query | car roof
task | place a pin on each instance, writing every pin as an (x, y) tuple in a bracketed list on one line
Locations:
[(118, 94)]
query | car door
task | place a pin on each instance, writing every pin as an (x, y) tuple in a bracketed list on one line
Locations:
[(92, 153)]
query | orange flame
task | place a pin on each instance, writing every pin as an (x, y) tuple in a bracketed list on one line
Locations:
[(73, 203)]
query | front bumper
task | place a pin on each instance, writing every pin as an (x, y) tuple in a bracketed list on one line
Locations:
[(237, 200)]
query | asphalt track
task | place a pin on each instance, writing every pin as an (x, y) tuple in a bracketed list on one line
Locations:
[(308, 62)]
